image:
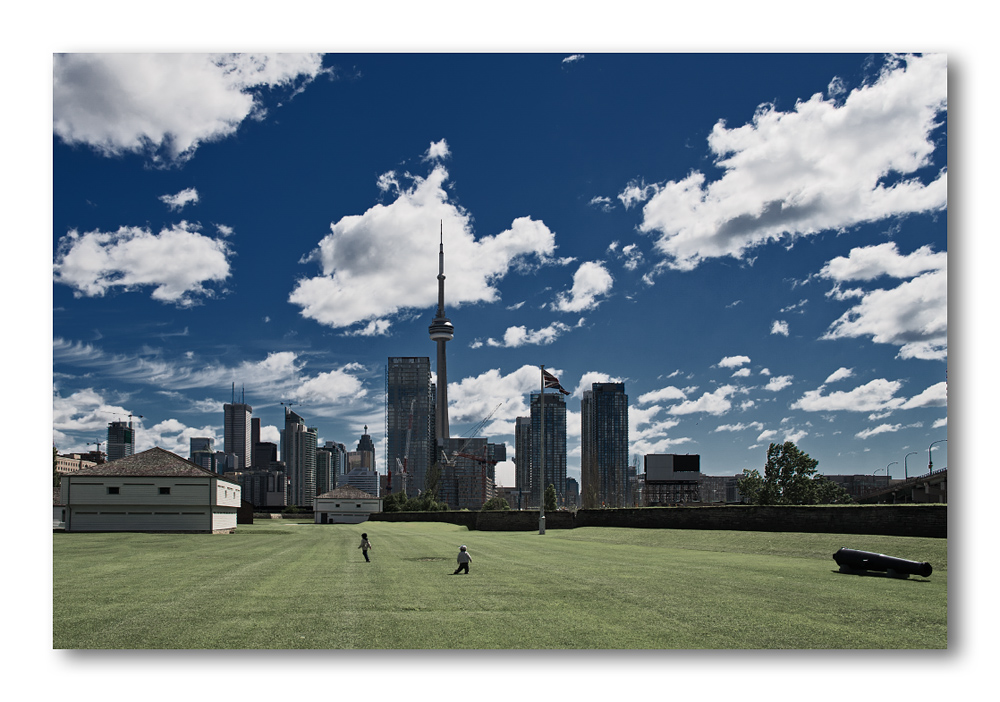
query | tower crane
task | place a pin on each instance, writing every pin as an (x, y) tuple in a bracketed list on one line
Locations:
[(485, 459), (98, 445)]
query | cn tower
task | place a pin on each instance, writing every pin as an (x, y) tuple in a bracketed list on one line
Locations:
[(442, 331)]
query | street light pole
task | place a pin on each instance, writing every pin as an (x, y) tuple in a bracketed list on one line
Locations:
[(911, 453), (894, 463), (930, 463)]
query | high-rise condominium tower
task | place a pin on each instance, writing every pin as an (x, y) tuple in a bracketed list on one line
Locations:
[(298, 450), (409, 421), (604, 446), (238, 434), (555, 446), (121, 440)]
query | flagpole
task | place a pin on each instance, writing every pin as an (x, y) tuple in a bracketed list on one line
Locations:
[(541, 469)]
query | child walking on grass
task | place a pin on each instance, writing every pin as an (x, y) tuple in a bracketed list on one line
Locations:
[(463, 560), (365, 545)]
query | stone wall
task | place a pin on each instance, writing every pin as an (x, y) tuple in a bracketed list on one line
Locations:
[(889, 520)]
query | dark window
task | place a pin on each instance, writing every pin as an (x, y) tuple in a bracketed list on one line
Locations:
[(113, 490), (164, 491)]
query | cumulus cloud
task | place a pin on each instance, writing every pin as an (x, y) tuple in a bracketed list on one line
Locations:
[(734, 361), (668, 393), (473, 398), (437, 151), (165, 105), (877, 395), (839, 374), (934, 396), (179, 200), (714, 403), (778, 382), (522, 336), (779, 327), (826, 164), (603, 203), (913, 315), (574, 58), (176, 263), (637, 191), (380, 263), (591, 283)]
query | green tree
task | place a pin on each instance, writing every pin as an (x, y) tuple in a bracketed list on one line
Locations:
[(789, 479), (495, 504), (550, 499), (396, 502)]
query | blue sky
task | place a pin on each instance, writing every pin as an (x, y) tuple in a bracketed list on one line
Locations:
[(755, 244)]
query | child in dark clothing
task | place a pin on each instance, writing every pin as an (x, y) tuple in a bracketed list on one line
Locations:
[(463, 560), (365, 545)]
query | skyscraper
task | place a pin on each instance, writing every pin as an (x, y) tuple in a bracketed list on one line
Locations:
[(442, 331), (202, 452), (604, 446), (298, 450), (237, 430), (522, 458), (121, 440), (409, 421), (555, 446)]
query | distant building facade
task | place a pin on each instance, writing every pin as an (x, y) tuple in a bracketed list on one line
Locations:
[(671, 479), (154, 490), (553, 443), (409, 420), (298, 450), (345, 505), (121, 440), (604, 446), (522, 461), (237, 430)]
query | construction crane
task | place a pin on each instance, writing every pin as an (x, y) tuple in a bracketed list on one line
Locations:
[(485, 459), (98, 445)]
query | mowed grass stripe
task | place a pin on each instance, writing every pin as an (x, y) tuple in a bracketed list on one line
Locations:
[(287, 585)]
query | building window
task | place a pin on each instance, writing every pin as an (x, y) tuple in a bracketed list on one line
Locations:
[(113, 490), (164, 491)]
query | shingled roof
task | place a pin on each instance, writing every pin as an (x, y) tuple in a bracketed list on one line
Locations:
[(349, 492), (152, 463)]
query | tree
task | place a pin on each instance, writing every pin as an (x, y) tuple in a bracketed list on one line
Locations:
[(789, 479), (496, 504), (550, 499), (396, 502)]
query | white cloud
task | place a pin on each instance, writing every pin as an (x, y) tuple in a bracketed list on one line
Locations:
[(778, 382), (602, 203), (589, 378), (779, 327), (668, 393), (871, 262), (522, 336), (877, 395), (913, 316), (179, 200), (733, 361), (635, 192), (472, 399), (590, 283), (714, 403), (742, 373), (165, 105), (819, 167), (934, 396), (839, 374), (177, 262), (332, 387), (574, 58), (756, 426), (384, 261), (438, 150), (885, 429)]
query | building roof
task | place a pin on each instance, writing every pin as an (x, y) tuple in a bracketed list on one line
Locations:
[(152, 463), (349, 492)]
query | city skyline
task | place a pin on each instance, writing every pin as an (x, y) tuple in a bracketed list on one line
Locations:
[(760, 260)]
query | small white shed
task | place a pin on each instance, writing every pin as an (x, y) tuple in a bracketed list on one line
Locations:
[(155, 490), (345, 505)]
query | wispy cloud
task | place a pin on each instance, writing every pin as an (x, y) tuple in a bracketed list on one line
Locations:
[(178, 201)]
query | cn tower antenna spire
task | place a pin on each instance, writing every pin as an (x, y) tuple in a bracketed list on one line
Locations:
[(442, 331)]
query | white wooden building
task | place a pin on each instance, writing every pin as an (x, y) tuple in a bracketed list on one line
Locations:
[(155, 490), (345, 505)]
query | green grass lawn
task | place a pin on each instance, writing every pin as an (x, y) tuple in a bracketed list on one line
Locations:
[(276, 584)]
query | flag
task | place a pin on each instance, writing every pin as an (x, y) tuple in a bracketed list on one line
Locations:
[(550, 381)]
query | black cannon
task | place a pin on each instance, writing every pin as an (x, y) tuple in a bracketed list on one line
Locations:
[(850, 560)]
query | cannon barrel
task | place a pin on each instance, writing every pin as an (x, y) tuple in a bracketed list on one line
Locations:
[(849, 559)]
